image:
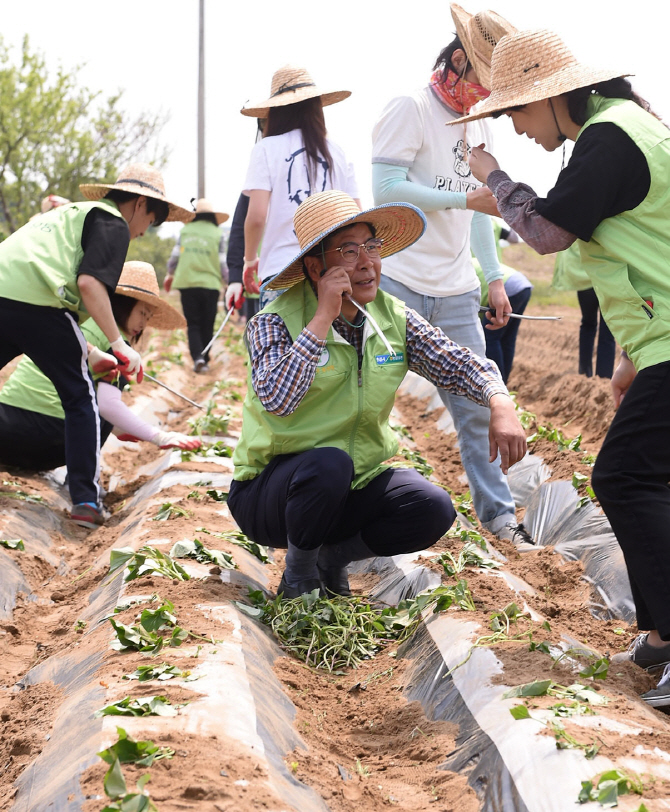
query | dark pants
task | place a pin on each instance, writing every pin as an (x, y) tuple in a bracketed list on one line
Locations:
[(588, 303), (500, 344), (630, 479), (52, 339), (33, 441), (199, 306), (307, 498)]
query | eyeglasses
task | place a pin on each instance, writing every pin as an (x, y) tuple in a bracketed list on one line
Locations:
[(351, 251)]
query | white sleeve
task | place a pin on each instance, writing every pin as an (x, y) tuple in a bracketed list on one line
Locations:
[(115, 411), (350, 185), (398, 134), (258, 173)]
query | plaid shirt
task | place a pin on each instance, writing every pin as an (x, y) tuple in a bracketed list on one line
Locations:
[(282, 370)]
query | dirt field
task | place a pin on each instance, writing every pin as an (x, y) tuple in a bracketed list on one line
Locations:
[(365, 746)]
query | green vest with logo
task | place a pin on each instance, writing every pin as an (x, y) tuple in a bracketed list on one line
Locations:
[(199, 265), (343, 408), (39, 262), (628, 256), (28, 388)]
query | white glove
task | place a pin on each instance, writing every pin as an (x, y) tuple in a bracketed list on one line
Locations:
[(172, 439), (104, 366), (131, 360), (234, 293)]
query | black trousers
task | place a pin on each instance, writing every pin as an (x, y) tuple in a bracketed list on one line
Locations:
[(630, 479), (199, 306), (307, 498), (590, 307), (53, 340), (34, 441)]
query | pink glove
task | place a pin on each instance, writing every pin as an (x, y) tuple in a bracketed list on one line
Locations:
[(172, 439), (250, 276)]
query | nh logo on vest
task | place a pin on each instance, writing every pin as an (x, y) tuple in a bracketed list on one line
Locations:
[(398, 358), (323, 358)]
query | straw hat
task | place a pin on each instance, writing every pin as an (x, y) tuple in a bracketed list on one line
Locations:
[(140, 179), (138, 281), (398, 224), (532, 66), (203, 206), (291, 85), (479, 34)]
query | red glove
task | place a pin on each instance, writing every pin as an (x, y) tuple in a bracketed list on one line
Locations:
[(130, 360), (127, 438), (104, 366), (234, 296), (167, 282), (250, 276)]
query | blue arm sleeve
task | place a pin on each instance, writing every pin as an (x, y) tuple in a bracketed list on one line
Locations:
[(483, 244), (390, 185)]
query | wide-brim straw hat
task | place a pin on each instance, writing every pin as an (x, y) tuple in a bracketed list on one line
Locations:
[(140, 179), (397, 224), (290, 85), (138, 281), (479, 34), (203, 206), (531, 66)]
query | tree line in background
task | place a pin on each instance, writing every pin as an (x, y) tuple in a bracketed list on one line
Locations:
[(56, 134)]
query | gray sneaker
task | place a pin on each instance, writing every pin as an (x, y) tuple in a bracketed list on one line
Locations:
[(641, 653), (659, 697)]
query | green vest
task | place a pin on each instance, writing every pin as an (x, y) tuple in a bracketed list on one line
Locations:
[(199, 265), (28, 388), (628, 257), (569, 272), (343, 408), (39, 262)]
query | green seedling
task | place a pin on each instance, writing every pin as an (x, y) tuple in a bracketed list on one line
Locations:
[(122, 800), (469, 556), (610, 786), (597, 667), (210, 423), (556, 436), (13, 544), (217, 495), (145, 561), (564, 741), (416, 460), (588, 459), (170, 511), (238, 537), (402, 431), (217, 449), (80, 626), (196, 549), (471, 536), (128, 751), (142, 706), (174, 358), (578, 480), (547, 687), (21, 495), (162, 672), (194, 494)]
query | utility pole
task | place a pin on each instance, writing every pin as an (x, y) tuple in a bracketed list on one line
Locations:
[(201, 102)]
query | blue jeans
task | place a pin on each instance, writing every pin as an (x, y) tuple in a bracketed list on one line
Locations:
[(501, 343), (458, 317)]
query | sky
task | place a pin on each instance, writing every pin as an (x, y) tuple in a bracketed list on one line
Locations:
[(375, 49)]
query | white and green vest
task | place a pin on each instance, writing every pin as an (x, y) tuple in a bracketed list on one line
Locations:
[(341, 409), (628, 257), (40, 261), (199, 265)]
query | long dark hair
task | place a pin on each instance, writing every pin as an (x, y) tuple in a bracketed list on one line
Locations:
[(207, 216), (122, 307), (306, 116), (618, 88), (443, 61)]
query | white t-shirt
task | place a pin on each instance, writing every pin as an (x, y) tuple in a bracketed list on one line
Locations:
[(412, 132), (279, 165)]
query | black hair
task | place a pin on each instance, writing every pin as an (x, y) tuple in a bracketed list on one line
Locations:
[(618, 88), (444, 63), (207, 216), (306, 116), (122, 307), (159, 208)]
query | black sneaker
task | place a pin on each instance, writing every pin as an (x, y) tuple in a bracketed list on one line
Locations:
[(518, 535), (641, 653), (303, 588), (659, 697)]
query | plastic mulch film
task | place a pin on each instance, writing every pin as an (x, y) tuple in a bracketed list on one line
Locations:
[(402, 576), (525, 477), (554, 517)]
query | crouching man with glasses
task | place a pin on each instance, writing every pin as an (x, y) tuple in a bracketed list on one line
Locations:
[(327, 358)]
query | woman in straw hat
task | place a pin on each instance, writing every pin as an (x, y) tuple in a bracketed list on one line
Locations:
[(32, 425), (613, 199), (416, 159), (60, 269), (294, 160), (326, 360), (197, 269)]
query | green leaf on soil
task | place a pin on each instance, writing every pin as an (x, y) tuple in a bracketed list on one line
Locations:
[(597, 669), (142, 706), (170, 511), (196, 549), (217, 495), (162, 671), (13, 544), (238, 537), (150, 561), (537, 688), (128, 751), (114, 782), (520, 712)]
